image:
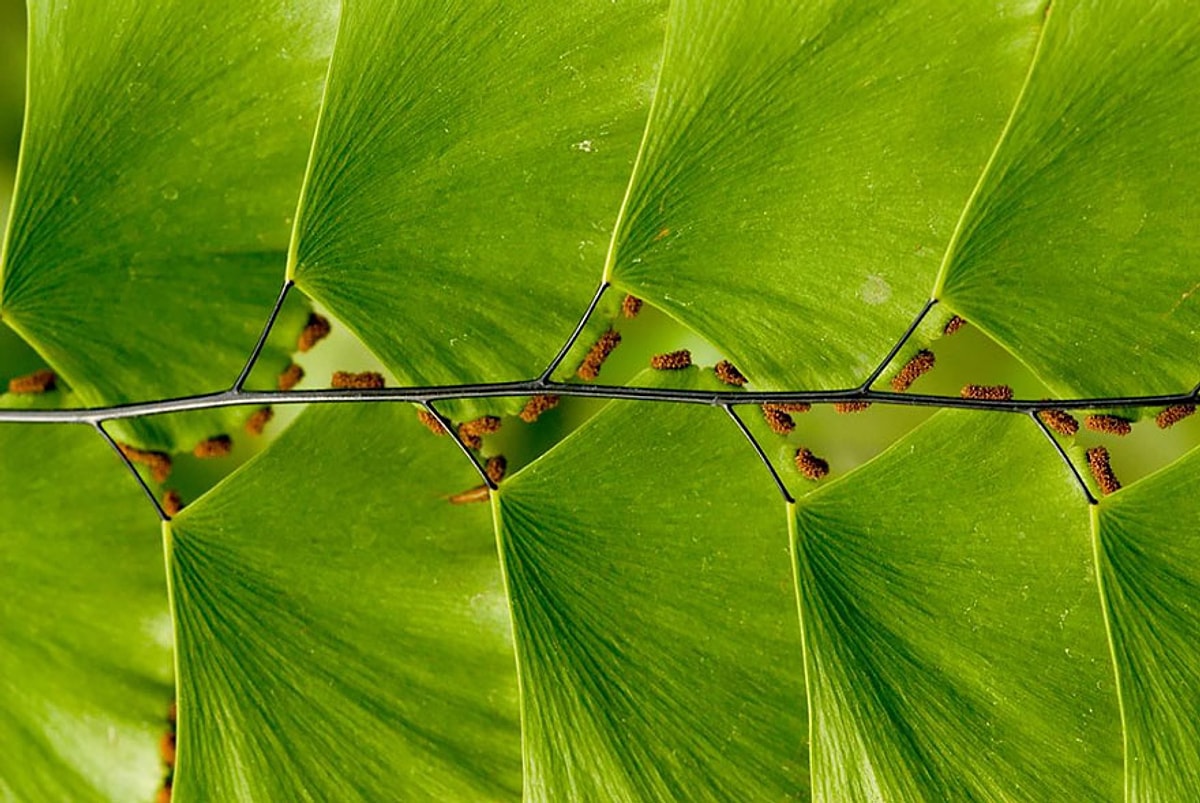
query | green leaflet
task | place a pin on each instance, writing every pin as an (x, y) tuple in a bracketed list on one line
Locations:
[(342, 628), (1148, 557), (163, 151), (85, 639), (1078, 252), (646, 560), (467, 174), (803, 170), (953, 632)]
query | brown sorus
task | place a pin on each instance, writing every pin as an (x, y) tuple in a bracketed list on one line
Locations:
[(431, 421), (1098, 462), (470, 439), (810, 465), (953, 325), (631, 306), (290, 377), (536, 406), (779, 421), (477, 494), (1060, 421), (988, 392), (484, 425), (1111, 424), (589, 369), (921, 364), (172, 713), (159, 463), (258, 420), (850, 407), (172, 503), (39, 381), (164, 793), (495, 468), (672, 360), (315, 330), (1173, 415), (166, 748), (365, 380), (729, 374), (216, 446), (790, 407)]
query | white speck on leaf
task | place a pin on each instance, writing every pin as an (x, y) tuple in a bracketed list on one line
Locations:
[(875, 290)]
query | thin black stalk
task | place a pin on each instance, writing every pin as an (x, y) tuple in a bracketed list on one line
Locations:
[(891, 355), (262, 338), (423, 395), (449, 427), (1087, 492), (761, 454), (99, 427), (562, 353)]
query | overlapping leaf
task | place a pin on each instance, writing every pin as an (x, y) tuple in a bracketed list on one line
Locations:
[(162, 156), (85, 637), (1148, 551), (953, 634), (1079, 252), (646, 558), (342, 628), (467, 174)]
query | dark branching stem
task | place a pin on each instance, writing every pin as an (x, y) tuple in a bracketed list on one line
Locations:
[(562, 353), (99, 427), (1087, 492), (262, 338), (446, 425), (891, 355), (787, 497)]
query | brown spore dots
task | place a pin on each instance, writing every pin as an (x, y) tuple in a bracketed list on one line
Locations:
[(630, 306), (672, 360), (921, 364), (365, 380), (258, 420), (953, 325), (40, 381), (536, 406), (471, 439), (216, 446), (1108, 424), (589, 369), (484, 425), (729, 374), (811, 466), (431, 422), (1060, 421), (844, 408), (315, 330), (159, 463), (290, 377), (987, 392), (172, 503), (495, 468), (477, 494), (1101, 466), (778, 420), (1173, 415), (790, 407)]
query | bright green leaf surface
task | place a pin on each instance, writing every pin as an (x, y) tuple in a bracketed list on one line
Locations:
[(1079, 252), (953, 629), (343, 631), (647, 564), (85, 637), (467, 174), (804, 167), (162, 156), (1148, 550)]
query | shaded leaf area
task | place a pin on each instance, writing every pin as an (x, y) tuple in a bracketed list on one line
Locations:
[(85, 636), (473, 176), (1078, 252), (954, 640), (646, 559), (803, 170), (1148, 550), (343, 632), (161, 160)]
